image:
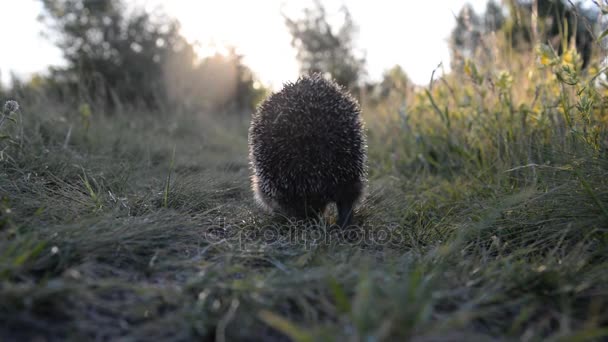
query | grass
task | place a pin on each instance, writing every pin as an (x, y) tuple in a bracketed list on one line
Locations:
[(486, 219)]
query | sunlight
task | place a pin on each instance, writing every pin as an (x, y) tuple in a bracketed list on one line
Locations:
[(255, 29)]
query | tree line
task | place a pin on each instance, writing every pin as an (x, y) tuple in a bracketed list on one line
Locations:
[(116, 56)]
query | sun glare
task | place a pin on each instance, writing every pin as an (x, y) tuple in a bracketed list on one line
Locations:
[(255, 29)]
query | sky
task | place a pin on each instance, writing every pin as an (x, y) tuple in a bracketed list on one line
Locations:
[(410, 33)]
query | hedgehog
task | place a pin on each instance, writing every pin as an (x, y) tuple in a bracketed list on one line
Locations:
[(307, 149)]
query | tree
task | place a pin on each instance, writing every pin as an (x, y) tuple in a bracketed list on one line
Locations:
[(470, 28), (466, 36), (111, 58), (395, 81), (321, 48), (119, 58), (494, 17)]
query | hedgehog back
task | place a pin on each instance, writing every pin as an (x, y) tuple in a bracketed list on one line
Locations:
[(307, 141)]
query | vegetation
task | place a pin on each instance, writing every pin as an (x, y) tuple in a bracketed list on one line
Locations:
[(323, 48), (486, 218), (117, 59), (553, 22)]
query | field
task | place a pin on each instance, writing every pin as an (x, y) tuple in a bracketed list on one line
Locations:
[(486, 218)]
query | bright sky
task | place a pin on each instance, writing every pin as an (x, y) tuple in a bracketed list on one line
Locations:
[(411, 33)]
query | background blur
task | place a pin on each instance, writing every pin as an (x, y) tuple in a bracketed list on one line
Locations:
[(213, 54), (255, 30)]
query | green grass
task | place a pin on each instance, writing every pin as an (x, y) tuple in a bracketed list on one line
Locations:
[(480, 224)]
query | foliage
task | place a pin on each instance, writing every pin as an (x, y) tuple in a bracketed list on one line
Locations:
[(322, 48), (117, 57), (549, 22), (560, 24), (395, 89), (217, 83), (466, 35), (395, 82), (112, 56)]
